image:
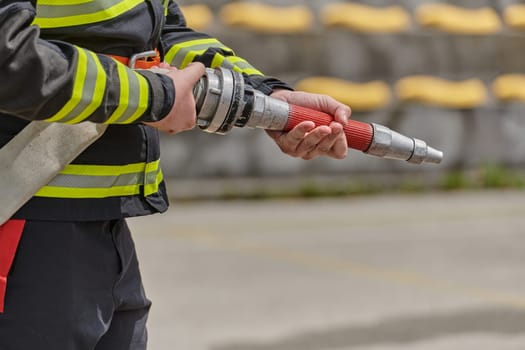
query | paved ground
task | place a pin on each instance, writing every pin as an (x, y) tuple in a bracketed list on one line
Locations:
[(418, 272)]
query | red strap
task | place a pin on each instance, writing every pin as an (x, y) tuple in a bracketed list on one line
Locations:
[(10, 233), (121, 59), (143, 63)]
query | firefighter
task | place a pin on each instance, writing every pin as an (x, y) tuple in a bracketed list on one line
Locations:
[(69, 276)]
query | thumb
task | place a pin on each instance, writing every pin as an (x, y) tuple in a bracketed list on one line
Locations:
[(195, 70)]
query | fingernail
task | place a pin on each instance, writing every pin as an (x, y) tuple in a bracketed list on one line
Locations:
[(346, 116)]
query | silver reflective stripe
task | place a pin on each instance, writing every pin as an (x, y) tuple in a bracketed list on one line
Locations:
[(88, 92), (75, 181), (133, 99), (88, 89), (35, 155), (102, 181), (63, 13)]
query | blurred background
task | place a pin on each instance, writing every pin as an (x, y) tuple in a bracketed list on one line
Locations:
[(363, 253), (449, 73)]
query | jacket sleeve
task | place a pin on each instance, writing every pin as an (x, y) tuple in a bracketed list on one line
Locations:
[(59, 82), (182, 45)]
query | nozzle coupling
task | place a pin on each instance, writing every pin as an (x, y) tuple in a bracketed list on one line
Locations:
[(387, 143)]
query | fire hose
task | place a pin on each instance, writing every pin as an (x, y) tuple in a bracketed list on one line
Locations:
[(224, 101)]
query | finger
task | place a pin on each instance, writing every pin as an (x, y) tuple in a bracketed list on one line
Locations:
[(342, 114), (312, 139), (326, 144), (289, 141), (339, 148), (297, 133), (339, 111), (195, 70), (165, 65), (331, 145), (186, 78), (331, 106)]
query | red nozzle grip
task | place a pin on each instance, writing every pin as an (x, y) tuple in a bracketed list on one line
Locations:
[(358, 134)]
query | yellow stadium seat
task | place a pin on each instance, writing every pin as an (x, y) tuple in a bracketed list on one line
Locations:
[(509, 87), (359, 96), (266, 18), (364, 18), (514, 16), (458, 20), (439, 92), (197, 16)]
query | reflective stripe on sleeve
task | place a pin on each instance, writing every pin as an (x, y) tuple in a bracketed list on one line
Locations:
[(102, 181), (64, 13), (88, 90), (235, 63), (133, 99), (181, 54)]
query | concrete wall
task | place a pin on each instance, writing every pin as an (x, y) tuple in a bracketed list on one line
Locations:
[(492, 133)]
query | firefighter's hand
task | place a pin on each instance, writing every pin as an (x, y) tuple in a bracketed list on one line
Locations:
[(183, 115), (306, 140)]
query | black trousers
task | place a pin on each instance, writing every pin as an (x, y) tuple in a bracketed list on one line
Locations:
[(74, 286)]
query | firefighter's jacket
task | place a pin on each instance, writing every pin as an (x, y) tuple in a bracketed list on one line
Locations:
[(55, 66)]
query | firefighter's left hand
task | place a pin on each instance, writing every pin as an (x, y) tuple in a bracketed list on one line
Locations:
[(307, 141)]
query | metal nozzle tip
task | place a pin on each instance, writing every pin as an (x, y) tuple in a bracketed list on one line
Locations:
[(433, 156)]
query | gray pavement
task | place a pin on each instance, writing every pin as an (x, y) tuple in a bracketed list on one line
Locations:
[(412, 272)]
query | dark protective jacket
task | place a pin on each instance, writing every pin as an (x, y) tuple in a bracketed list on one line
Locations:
[(54, 66)]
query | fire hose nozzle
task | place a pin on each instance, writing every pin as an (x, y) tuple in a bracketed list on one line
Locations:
[(223, 101), (387, 143)]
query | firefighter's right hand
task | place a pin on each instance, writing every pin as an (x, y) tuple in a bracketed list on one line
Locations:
[(183, 114)]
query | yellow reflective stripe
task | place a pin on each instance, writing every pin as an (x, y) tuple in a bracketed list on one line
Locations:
[(78, 87), (180, 55), (152, 166), (143, 99), (190, 56), (124, 94), (51, 14), (78, 193), (242, 66), (217, 61), (234, 62), (61, 2), (105, 170), (166, 4), (153, 177), (133, 99), (101, 181), (177, 54), (98, 93), (154, 187), (88, 90)]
